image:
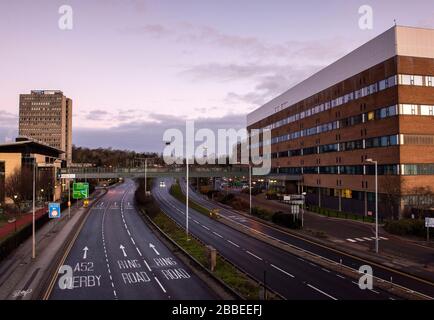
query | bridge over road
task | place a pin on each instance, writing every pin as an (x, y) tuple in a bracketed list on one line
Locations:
[(162, 172)]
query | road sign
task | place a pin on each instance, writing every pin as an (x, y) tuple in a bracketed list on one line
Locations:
[(80, 190), (429, 222), (54, 210), (67, 176)]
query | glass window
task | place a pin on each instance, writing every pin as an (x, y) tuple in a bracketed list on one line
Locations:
[(426, 110), (417, 80)]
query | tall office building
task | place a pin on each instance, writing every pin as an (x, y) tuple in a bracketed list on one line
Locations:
[(375, 103), (46, 116)]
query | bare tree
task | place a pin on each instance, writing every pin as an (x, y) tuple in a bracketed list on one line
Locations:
[(15, 188), (422, 199), (391, 189)]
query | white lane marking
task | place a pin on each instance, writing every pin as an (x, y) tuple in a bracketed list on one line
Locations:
[(159, 283), (196, 221), (358, 239), (322, 292), (367, 239), (233, 243), (114, 292), (374, 291), (342, 277), (287, 273), (147, 266), (351, 240), (254, 255), (205, 227), (218, 235), (384, 238), (325, 270), (138, 251), (132, 240)]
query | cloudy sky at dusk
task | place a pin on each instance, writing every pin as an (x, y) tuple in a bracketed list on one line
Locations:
[(134, 68)]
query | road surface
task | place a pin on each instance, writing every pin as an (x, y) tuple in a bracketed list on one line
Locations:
[(291, 276), (116, 256), (384, 273)]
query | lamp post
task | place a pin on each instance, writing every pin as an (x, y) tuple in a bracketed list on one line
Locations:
[(33, 210), (250, 188), (302, 209), (376, 201), (186, 195)]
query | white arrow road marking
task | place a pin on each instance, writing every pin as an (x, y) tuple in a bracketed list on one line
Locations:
[(153, 248), (123, 250), (85, 249)]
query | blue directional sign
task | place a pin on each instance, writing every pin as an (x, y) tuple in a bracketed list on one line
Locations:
[(54, 210)]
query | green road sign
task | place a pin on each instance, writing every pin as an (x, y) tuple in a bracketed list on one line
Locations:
[(80, 190)]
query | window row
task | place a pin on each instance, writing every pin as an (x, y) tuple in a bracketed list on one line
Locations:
[(376, 142), (368, 90)]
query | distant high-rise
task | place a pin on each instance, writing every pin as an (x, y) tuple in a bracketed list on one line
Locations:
[(46, 116)]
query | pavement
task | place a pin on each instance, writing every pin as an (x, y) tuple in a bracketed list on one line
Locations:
[(319, 247), (20, 222), (21, 277), (116, 256), (289, 275)]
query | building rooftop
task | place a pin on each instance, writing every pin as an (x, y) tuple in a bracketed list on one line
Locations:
[(23, 145), (397, 41)]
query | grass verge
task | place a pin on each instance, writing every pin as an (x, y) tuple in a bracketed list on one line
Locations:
[(175, 191), (225, 271)]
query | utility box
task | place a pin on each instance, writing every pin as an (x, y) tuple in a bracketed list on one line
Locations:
[(212, 257)]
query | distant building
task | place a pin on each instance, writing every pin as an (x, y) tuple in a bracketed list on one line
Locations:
[(20, 156), (376, 103), (46, 116)]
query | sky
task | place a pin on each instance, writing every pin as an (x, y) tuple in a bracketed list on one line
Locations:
[(137, 67)]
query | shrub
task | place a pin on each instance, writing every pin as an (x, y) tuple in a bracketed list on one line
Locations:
[(286, 220), (262, 213), (406, 227)]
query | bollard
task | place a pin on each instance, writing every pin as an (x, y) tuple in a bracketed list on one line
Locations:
[(212, 257)]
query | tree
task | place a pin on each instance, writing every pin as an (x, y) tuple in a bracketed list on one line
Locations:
[(391, 187), (17, 186), (422, 199)]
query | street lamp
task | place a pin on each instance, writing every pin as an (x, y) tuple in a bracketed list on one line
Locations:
[(376, 201), (250, 188), (302, 209)]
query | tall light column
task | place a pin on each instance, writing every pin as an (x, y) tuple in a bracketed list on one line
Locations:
[(250, 189), (376, 201), (186, 196), (33, 211)]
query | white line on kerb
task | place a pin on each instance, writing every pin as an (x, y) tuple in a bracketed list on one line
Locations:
[(254, 255), (287, 273), (322, 292), (233, 243), (159, 283)]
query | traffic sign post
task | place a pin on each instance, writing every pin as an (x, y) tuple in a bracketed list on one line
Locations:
[(80, 190), (429, 223), (54, 210)]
